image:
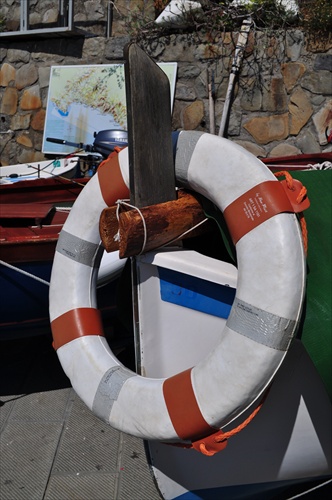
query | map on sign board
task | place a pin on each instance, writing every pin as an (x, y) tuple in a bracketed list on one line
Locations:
[(83, 100)]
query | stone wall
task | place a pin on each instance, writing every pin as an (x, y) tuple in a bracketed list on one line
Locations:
[(282, 101)]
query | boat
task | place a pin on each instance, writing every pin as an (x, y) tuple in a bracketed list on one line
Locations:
[(228, 392), (64, 167), (32, 214), (252, 419), (53, 189), (36, 200), (310, 161), (285, 450), (178, 292)]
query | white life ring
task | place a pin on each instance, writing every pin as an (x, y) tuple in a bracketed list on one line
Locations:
[(258, 332)]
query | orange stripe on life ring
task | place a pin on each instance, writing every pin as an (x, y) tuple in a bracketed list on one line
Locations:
[(76, 323), (183, 409), (111, 181), (255, 207)]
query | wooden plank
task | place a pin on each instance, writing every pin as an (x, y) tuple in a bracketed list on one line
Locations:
[(151, 164), (108, 229), (164, 223), (151, 167), (50, 190), (28, 250), (25, 210)]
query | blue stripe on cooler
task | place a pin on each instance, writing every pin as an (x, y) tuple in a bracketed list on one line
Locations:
[(196, 293)]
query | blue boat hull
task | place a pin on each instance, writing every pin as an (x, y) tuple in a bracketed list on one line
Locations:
[(24, 305)]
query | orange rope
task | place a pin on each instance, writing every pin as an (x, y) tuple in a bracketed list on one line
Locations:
[(212, 444), (302, 194), (240, 427), (244, 424), (209, 445), (203, 449), (289, 180), (221, 437), (303, 224)]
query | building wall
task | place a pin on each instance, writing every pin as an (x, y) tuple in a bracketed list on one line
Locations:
[(282, 100)]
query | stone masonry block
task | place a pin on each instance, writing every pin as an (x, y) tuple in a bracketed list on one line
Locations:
[(265, 129)]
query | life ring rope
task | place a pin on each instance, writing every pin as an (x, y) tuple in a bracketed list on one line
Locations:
[(119, 203), (125, 203), (256, 337), (297, 193), (212, 444)]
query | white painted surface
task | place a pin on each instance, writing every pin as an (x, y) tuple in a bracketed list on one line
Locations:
[(42, 169)]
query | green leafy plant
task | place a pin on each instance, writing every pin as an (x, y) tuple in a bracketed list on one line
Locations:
[(220, 16), (2, 24), (270, 14), (223, 15), (316, 18)]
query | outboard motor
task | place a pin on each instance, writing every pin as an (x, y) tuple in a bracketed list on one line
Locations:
[(106, 140), (104, 143)]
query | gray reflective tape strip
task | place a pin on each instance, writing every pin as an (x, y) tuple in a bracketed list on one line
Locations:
[(261, 326), (187, 142), (108, 391), (79, 250)]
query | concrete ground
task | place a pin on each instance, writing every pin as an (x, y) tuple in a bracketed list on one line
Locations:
[(52, 446)]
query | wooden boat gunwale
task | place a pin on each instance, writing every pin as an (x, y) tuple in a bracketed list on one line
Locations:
[(11, 174)]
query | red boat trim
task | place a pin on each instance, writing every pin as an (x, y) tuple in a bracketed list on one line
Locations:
[(297, 160)]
